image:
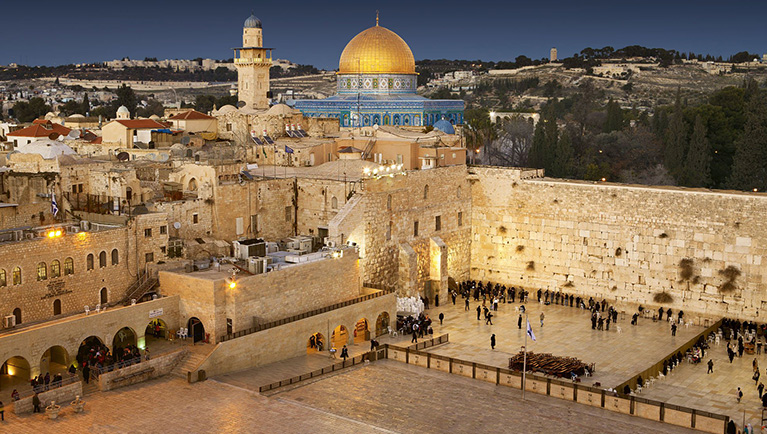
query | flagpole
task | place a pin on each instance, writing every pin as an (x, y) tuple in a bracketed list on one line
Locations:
[(524, 358)]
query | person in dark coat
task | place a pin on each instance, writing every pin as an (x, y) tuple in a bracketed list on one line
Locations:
[(36, 404), (344, 353), (441, 317), (467, 304), (86, 373), (673, 329), (479, 311), (492, 342), (519, 321), (710, 366)]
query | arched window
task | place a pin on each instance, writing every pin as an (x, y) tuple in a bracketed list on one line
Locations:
[(89, 262), (17, 276), (42, 271), (458, 193), (57, 307), (3, 280), (69, 266), (17, 314), (334, 202), (192, 185), (388, 203), (103, 296), (102, 259), (115, 257), (55, 269), (425, 191)]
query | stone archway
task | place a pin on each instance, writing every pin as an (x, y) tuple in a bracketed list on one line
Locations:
[(156, 333), (361, 331), (55, 360), (123, 343), (382, 324), (15, 373), (196, 330), (316, 343), (89, 348), (340, 337)]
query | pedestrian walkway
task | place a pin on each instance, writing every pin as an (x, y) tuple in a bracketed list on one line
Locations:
[(566, 332)]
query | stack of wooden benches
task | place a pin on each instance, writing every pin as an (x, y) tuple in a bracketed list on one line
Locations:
[(549, 364)]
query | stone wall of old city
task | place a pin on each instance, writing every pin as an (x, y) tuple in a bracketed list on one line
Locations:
[(704, 249), (318, 202), (271, 201), (262, 298), (389, 223)]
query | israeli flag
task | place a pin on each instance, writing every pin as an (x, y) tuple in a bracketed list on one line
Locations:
[(288, 149), (54, 205), (530, 331)]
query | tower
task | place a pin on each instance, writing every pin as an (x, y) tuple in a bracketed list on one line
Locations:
[(253, 62), (553, 55)]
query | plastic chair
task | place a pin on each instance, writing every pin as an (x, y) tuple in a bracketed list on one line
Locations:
[(87, 310), (620, 330), (392, 332), (717, 340)]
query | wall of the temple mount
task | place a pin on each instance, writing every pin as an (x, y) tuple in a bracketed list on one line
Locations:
[(627, 243), (384, 228)]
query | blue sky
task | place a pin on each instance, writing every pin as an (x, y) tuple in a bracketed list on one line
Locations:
[(51, 33)]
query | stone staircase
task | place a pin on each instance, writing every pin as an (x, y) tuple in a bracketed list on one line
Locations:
[(90, 388), (192, 360)]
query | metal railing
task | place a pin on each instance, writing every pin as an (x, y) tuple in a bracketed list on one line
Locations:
[(301, 316), (65, 381), (317, 373), (144, 283)]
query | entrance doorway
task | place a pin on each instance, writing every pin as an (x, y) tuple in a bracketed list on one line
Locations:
[(123, 344), (55, 360), (156, 332), (382, 324), (14, 374), (196, 329), (340, 337), (361, 331), (315, 344), (91, 349)]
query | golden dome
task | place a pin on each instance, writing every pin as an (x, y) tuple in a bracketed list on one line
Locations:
[(377, 50)]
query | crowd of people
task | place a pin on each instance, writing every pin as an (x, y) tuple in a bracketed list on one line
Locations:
[(95, 359), (416, 326)]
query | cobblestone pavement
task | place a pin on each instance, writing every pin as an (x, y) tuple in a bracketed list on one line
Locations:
[(566, 332), (691, 386), (409, 399), (381, 397)]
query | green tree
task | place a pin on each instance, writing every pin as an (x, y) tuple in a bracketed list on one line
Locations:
[(153, 107), (86, 105), (126, 97), (749, 166), (538, 149), (29, 111), (698, 165), (562, 163), (204, 103), (676, 140), (614, 121)]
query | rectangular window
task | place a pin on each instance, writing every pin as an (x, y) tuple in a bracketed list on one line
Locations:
[(163, 250), (79, 188), (148, 233), (438, 223), (195, 218), (460, 219), (74, 189), (288, 213), (163, 230), (415, 228), (238, 223), (149, 257)]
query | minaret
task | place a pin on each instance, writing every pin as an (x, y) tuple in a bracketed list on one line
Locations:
[(253, 62)]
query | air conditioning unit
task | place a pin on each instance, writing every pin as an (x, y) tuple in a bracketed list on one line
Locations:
[(9, 321), (85, 225), (331, 244), (18, 235), (258, 265), (74, 229), (29, 236)]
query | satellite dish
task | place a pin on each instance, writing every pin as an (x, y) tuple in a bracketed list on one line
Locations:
[(177, 225), (74, 134), (151, 157), (186, 140), (123, 156), (241, 104), (163, 157), (53, 136)]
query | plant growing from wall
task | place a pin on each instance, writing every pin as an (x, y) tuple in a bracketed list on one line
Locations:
[(730, 275), (531, 266), (520, 248), (662, 297)]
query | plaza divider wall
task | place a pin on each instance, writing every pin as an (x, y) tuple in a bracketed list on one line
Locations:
[(568, 390)]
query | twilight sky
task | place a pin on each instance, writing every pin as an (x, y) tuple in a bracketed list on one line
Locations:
[(48, 32)]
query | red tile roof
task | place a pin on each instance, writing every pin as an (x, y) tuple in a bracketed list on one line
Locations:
[(40, 130), (190, 115), (141, 124)]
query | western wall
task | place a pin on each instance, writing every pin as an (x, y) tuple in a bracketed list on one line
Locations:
[(700, 251)]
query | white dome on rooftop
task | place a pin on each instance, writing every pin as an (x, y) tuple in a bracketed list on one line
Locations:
[(49, 149), (123, 109)]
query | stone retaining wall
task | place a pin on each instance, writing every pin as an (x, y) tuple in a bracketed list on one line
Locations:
[(160, 366), (62, 395)]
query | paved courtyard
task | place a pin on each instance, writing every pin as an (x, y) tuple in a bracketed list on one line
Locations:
[(566, 332), (691, 386), (381, 397)]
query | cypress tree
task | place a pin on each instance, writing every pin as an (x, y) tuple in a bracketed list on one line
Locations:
[(676, 140), (698, 165), (563, 157), (537, 150), (749, 165), (614, 121)]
